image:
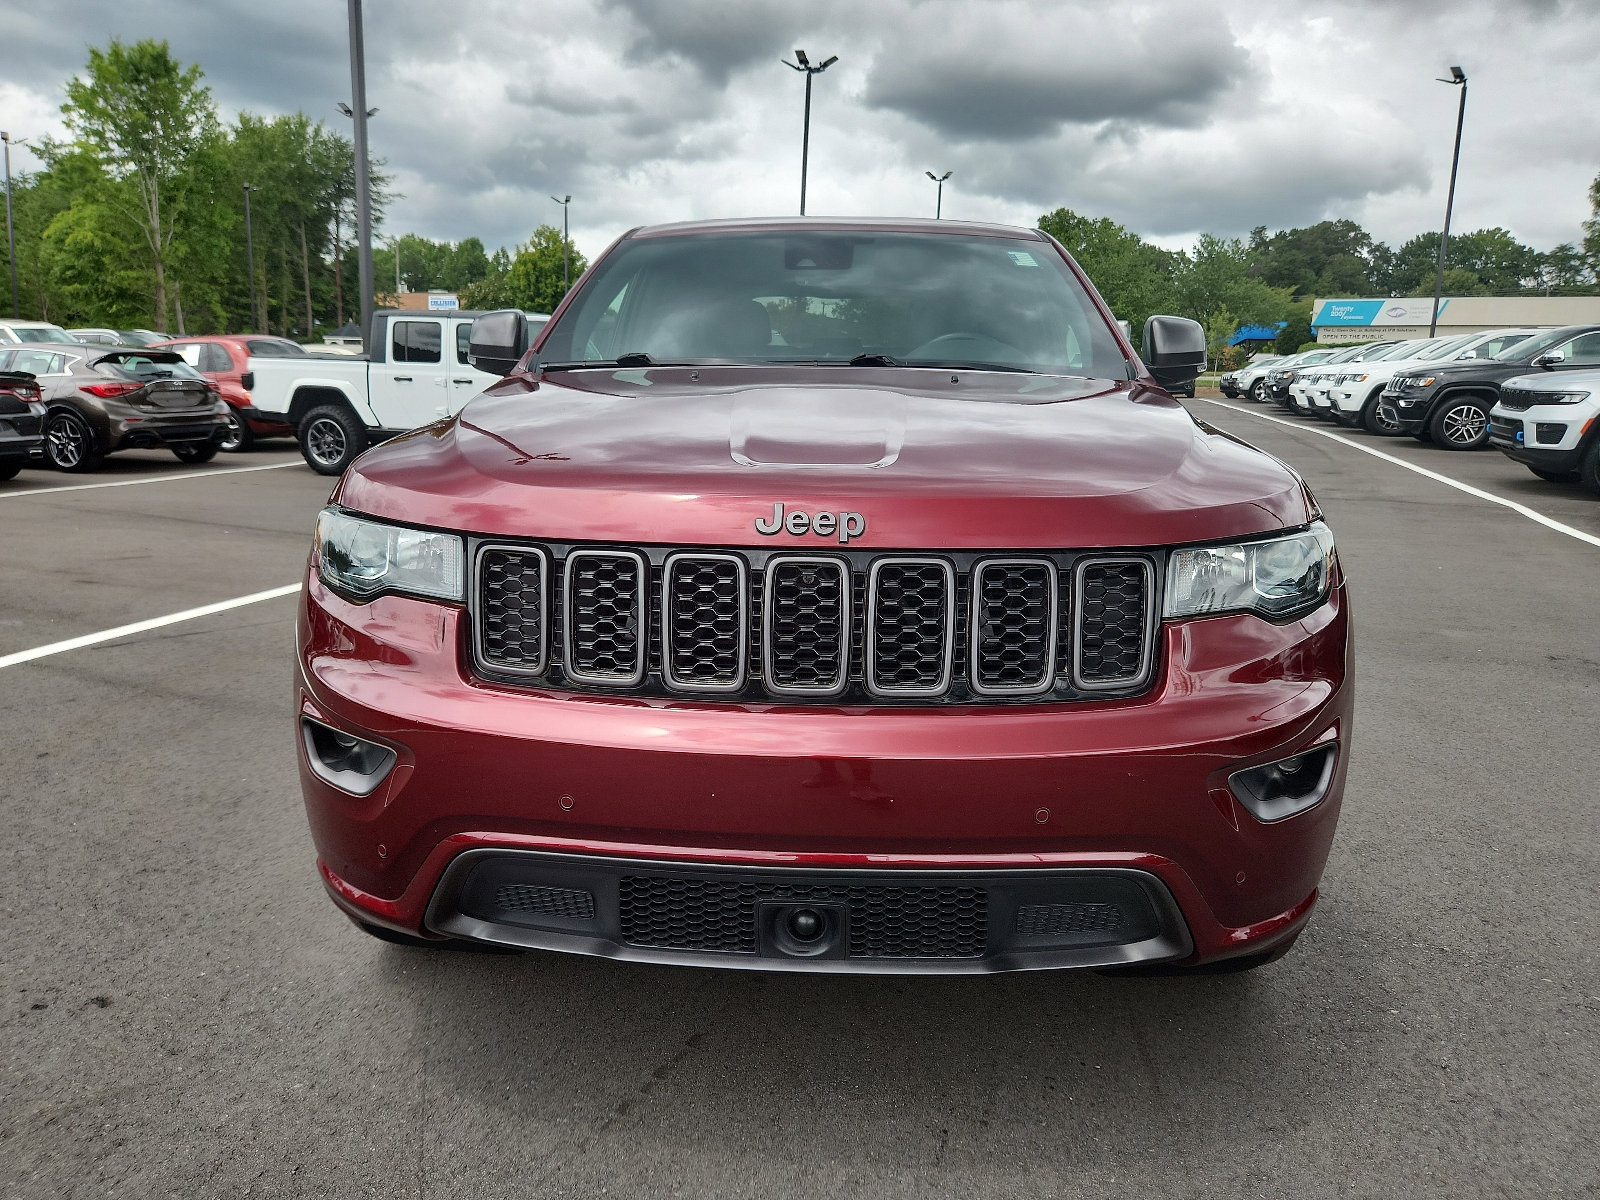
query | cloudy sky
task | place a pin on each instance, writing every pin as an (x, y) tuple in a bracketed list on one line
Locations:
[(1171, 116)]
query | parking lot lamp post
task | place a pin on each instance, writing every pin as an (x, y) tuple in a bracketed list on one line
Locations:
[(566, 282), (250, 256), (1457, 79), (938, 204), (11, 235), (359, 114), (803, 65)]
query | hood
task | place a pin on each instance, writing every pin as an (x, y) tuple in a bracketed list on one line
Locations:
[(929, 458)]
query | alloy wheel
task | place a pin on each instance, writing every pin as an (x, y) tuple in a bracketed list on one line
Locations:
[(325, 442), (234, 437), (67, 443), (1465, 424)]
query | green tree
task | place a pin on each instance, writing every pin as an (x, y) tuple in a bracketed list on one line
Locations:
[(533, 278), (1214, 285), (1297, 328), (1328, 258), (1591, 230), (1134, 277), (147, 119)]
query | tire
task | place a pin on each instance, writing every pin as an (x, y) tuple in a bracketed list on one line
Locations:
[(1460, 424), (1258, 391), (9, 471), (330, 438), (1371, 418), (195, 452), (238, 438), (1589, 471), (1554, 476), (69, 443)]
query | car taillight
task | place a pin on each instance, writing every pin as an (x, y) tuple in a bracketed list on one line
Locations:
[(27, 392), (111, 389)]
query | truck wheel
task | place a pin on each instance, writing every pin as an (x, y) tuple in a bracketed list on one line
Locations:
[(330, 438), (1460, 424), (1258, 391), (238, 437), (69, 443)]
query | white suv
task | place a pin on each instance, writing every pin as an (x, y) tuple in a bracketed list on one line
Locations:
[(1550, 423), (1312, 385), (12, 332), (1354, 395)]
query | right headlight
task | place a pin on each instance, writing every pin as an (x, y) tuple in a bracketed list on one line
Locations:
[(361, 558), (1559, 397), (1278, 578)]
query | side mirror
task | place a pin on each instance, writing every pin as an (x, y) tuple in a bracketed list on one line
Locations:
[(1554, 359), (498, 341), (1174, 350)]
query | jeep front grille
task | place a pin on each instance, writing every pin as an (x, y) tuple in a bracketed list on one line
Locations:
[(848, 627)]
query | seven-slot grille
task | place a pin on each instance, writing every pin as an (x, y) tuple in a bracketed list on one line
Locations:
[(854, 626)]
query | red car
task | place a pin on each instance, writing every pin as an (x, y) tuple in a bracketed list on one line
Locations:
[(836, 596), (225, 360)]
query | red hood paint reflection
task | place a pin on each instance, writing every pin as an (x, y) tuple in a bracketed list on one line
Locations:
[(932, 458)]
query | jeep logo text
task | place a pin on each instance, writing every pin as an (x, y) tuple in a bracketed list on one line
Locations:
[(825, 524)]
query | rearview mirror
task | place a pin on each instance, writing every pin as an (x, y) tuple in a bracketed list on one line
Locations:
[(1174, 350), (1554, 359), (498, 341)]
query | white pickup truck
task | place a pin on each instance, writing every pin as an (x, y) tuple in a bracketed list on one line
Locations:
[(416, 372)]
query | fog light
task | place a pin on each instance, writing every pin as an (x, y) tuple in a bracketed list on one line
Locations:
[(1551, 433), (1286, 787), (349, 763)]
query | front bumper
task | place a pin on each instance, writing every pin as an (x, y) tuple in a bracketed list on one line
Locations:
[(1051, 798), (1551, 437), (1407, 410)]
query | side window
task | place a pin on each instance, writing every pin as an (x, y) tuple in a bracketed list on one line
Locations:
[(416, 341), (191, 353), (213, 358), (1583, 351), (463, 341), (36, 362)]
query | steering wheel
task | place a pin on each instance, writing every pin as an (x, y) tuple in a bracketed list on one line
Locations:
[(978, 347)]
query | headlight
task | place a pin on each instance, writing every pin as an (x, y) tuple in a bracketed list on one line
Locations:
[(1279, 578), (362, 558), (1558, 397)]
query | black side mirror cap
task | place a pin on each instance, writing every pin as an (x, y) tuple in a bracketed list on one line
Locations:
[(1174, 350), (498, 341), (1554, 359)]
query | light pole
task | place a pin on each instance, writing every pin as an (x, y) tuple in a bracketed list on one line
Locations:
[(359, 114), (250, 254), (566, 282), (803, 65), (1457, 79), (11, 234), (938, 206)]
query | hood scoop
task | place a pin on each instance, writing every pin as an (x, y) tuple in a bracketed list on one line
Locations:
[(804, 428)]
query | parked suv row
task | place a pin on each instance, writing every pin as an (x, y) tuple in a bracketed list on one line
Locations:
[(1550, 423)]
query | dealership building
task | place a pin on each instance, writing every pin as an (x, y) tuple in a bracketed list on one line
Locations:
[(1335, 321)]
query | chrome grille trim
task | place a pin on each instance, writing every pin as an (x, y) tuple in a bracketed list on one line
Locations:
[(475, 601), (1047, 679), (642, 609), (870, 649), (769, 577), (668, 612), (1152, 622)]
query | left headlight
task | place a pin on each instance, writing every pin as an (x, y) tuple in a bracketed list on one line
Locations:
[(1560, 397), (1278, 578), (362, 558)]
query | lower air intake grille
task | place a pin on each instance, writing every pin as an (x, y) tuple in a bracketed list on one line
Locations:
[(546, 901), (884, 922), (1056, 919), (1113, 622)]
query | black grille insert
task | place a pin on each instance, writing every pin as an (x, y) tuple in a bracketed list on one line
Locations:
[(1013, 626), (1114, 626), (805, 633), (605, 616), (911, 625), (1053, 920), (705, 618), (512, 598), (719, 915), (573, 903)]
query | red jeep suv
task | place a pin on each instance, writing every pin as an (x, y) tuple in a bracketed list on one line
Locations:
[(828, 595)]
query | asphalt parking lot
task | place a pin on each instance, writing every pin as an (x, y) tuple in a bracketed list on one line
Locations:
[(186, 1015)]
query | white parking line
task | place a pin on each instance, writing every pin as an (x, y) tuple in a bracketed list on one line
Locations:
[(84, 487), (1539, 517), (107, 635)]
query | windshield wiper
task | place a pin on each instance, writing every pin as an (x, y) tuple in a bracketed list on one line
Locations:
[(633, 358), (876, 360)]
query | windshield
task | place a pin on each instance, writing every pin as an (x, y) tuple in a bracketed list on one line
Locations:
[(42, 333), (137, 366), (826, 296), (1534, 347)]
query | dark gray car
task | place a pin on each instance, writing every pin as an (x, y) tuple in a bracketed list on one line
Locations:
[(102, 399)]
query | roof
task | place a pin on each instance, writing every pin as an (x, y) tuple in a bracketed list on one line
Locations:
[(820, 224)]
